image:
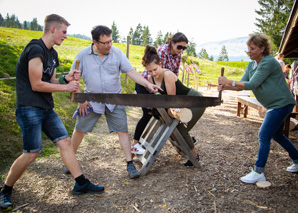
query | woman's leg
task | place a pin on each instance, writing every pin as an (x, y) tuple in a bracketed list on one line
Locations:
[(145, 118), (272, 126)]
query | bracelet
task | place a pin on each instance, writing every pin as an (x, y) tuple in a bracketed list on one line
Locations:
[(61, 79), (64, 79)]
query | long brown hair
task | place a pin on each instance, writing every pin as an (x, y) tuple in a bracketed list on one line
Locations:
[(150, 55)]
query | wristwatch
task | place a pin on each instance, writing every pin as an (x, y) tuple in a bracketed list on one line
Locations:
[(64, 79), (234, 84)]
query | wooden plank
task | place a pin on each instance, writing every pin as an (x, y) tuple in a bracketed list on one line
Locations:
[(244, 93), (154, 137), (250, 101)]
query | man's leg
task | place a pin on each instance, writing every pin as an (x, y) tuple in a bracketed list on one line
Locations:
[(76, 140), (125, 144), (19, 166), (15, 172), (83, 124), (68, 157)]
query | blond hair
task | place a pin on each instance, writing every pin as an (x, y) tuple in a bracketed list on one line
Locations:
[(260, 40)]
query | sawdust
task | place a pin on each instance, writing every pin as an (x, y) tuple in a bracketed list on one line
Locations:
[(227, 146)]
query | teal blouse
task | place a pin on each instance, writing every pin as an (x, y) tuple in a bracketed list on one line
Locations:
[(268, 84)]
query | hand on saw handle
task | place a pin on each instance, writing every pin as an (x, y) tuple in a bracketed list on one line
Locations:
[(73, 75), (73, 86), (221, 82)]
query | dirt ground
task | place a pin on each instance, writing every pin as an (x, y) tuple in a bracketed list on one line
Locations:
[(227, 146)]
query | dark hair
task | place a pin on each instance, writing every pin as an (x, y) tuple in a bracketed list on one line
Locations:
[(100, 30), (53, 19), (177, 37), (150, 55), (288, 66), (260, 40)]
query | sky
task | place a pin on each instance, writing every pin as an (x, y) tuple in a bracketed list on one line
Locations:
[(201, 21)]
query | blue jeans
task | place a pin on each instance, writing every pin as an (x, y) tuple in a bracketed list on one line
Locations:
[(272, 128), (33, 121)]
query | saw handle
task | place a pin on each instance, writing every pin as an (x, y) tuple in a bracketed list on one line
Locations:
[(221, 74), (77, 68)]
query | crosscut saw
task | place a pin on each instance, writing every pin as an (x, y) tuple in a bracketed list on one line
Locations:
[(149, 100)]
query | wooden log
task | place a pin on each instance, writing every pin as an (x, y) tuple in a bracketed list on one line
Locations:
[(182, 114), (293, 123), (263, 184)]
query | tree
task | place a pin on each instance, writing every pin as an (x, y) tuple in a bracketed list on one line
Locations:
[(130, 35), (137, 35), (191, 49), (26, 25), (274, 17), (166, 37), (115, 33), (34, 24), (1, 20), (202, 53), (159, 40), (146, 37), (223, 56)]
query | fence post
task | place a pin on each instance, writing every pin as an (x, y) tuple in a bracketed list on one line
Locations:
[(127, 54)]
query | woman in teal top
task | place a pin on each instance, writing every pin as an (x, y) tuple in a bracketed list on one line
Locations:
[(264, 76), (171, 85)]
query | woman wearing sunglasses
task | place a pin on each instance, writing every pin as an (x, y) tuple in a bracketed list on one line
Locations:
[(170, 56)]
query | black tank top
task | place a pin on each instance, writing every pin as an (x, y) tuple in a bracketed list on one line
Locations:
[(180, 88)]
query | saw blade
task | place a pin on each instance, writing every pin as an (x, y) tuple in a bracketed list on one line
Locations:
[(149, 100)]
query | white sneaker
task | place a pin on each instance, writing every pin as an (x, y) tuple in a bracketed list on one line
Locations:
[(293, 168), (137, 149), (253, 177)]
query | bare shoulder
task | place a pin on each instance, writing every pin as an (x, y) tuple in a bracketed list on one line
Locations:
[(168, 74)]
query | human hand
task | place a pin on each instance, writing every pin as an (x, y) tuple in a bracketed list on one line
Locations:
[(73, 86), (83, 108), (73, 75), (222, 80), (154, 88), (220, 88)]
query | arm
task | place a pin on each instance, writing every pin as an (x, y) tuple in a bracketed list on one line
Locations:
[(35, 75), (170, 82), (226, 84), (138, 78)]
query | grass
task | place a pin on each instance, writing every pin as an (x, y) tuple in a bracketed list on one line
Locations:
[(12, 42)]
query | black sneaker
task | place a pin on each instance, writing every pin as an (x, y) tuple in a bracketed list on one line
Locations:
[(66, 171), (5, 201), (132, 171), (87, 188), (189, 163)]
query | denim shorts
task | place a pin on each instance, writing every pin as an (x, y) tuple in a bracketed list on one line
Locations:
[(116, 120), (33, 121)]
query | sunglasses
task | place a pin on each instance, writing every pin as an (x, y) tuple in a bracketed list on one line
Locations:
[(180, 47)]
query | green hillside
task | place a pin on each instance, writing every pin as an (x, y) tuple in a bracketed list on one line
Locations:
[(12, 41)]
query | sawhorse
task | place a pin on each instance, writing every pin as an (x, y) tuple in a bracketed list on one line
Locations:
[(154, 137)]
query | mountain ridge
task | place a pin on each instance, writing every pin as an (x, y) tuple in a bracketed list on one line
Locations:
[(236, 48)]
